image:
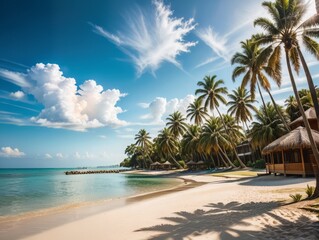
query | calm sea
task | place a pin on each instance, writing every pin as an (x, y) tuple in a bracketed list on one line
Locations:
[(27, 190)]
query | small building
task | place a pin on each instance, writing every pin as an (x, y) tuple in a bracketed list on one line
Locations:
[(156, 166), (291, 153), (245, 152), (312, 119), (201, 165), (167, 165), (191, 165)]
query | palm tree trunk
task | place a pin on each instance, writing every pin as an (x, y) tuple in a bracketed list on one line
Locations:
[(234, 148), (261, 96), (225, 155), (175, 162), (221, 157), (278, 111), (306, 123), (311, 85)]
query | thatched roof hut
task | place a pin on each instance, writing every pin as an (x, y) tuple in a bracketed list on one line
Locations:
[(191, 162), (295, 139), (312, 119), (156, 164), (167, 163)]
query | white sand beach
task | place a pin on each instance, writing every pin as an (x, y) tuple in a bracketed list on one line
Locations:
[(232, 208)]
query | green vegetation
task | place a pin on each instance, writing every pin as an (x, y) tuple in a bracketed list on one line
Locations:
[(296, 198), (310, 191)]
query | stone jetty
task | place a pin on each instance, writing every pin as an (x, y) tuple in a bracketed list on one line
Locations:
[(75, 172)]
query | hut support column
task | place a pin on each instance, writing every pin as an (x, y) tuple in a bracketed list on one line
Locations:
[(273, 163), (283, 161), (302, 163)]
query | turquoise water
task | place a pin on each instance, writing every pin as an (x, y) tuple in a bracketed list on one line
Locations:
[(26, 190)]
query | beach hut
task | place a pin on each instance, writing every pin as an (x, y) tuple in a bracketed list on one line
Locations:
[(291, 153), (312, 119), (156, 166), (245, 151), (167, 165), (191, 165), (201, 165)]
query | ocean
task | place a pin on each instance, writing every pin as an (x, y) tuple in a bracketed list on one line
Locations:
[(28, 190)]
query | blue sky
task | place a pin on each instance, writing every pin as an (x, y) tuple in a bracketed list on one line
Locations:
[(78, 79)]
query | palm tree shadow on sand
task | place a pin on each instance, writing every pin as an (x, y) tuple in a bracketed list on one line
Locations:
[(220, 218)]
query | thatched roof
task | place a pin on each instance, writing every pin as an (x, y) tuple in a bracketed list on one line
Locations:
[(200, 162), (297, 138), (167, 163), (310, 114), (155, 164), (191, 162)]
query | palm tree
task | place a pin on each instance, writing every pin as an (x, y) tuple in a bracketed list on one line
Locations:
[(284, 28), (213, 137), (212, 92), (176, 124), (167, 145), (292, 108), (253, 62), (267, 127), (190, 141), (241, 104), (143, 140), (197, 112)]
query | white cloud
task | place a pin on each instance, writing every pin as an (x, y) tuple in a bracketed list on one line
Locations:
[(102, 136), (11, 152), (207, 61), (152, 38), (85, 155), (17, 95), (66, 105), (160, 108), (59, 155), (48, 156), (14, 77)]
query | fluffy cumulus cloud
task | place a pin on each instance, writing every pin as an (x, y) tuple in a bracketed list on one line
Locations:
[(152, 38), (11, 152), (65, 104), (17, 95), (160, 108)]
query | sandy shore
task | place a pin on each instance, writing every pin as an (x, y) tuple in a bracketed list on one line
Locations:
[(215, 208)]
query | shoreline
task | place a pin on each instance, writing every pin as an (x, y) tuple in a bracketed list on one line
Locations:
[(258, 196)]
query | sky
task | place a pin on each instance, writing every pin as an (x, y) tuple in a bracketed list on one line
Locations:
[(78, 79)]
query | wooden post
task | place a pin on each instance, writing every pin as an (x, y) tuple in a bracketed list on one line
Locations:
[(303, 163), (273, 163), (283, 161)]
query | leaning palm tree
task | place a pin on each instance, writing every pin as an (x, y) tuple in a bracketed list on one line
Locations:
[(197, 112), (214, 138), (143, 140), (284, 29), (176, 124), (241, 105), (253, 62), (212, 91), (168, 145)]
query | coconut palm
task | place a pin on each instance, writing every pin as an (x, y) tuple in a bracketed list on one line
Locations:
[(190, 141), (292, 108), (241, 105), (197, 112), (267, 127), (212, 91), (214, 137), (143, 140), (283, 29), (168, 145), (253, 62), (176, 124)]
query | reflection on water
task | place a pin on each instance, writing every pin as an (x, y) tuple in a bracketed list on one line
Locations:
[(24, 190)]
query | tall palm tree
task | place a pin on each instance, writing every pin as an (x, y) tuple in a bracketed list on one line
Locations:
[(197, 111), (212, 91), (267, 127), (143, 140), (190, 141), (168, 145), (253, 62), (283, 29), (241, 105), (214, 137), (176, 124)]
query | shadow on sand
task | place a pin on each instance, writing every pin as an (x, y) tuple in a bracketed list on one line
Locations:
[(220, 219)]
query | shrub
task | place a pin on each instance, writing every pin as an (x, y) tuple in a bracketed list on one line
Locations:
[(260, 164), (249, 164), (182, 163), (236, 163), (310, 190), (296, 198)]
